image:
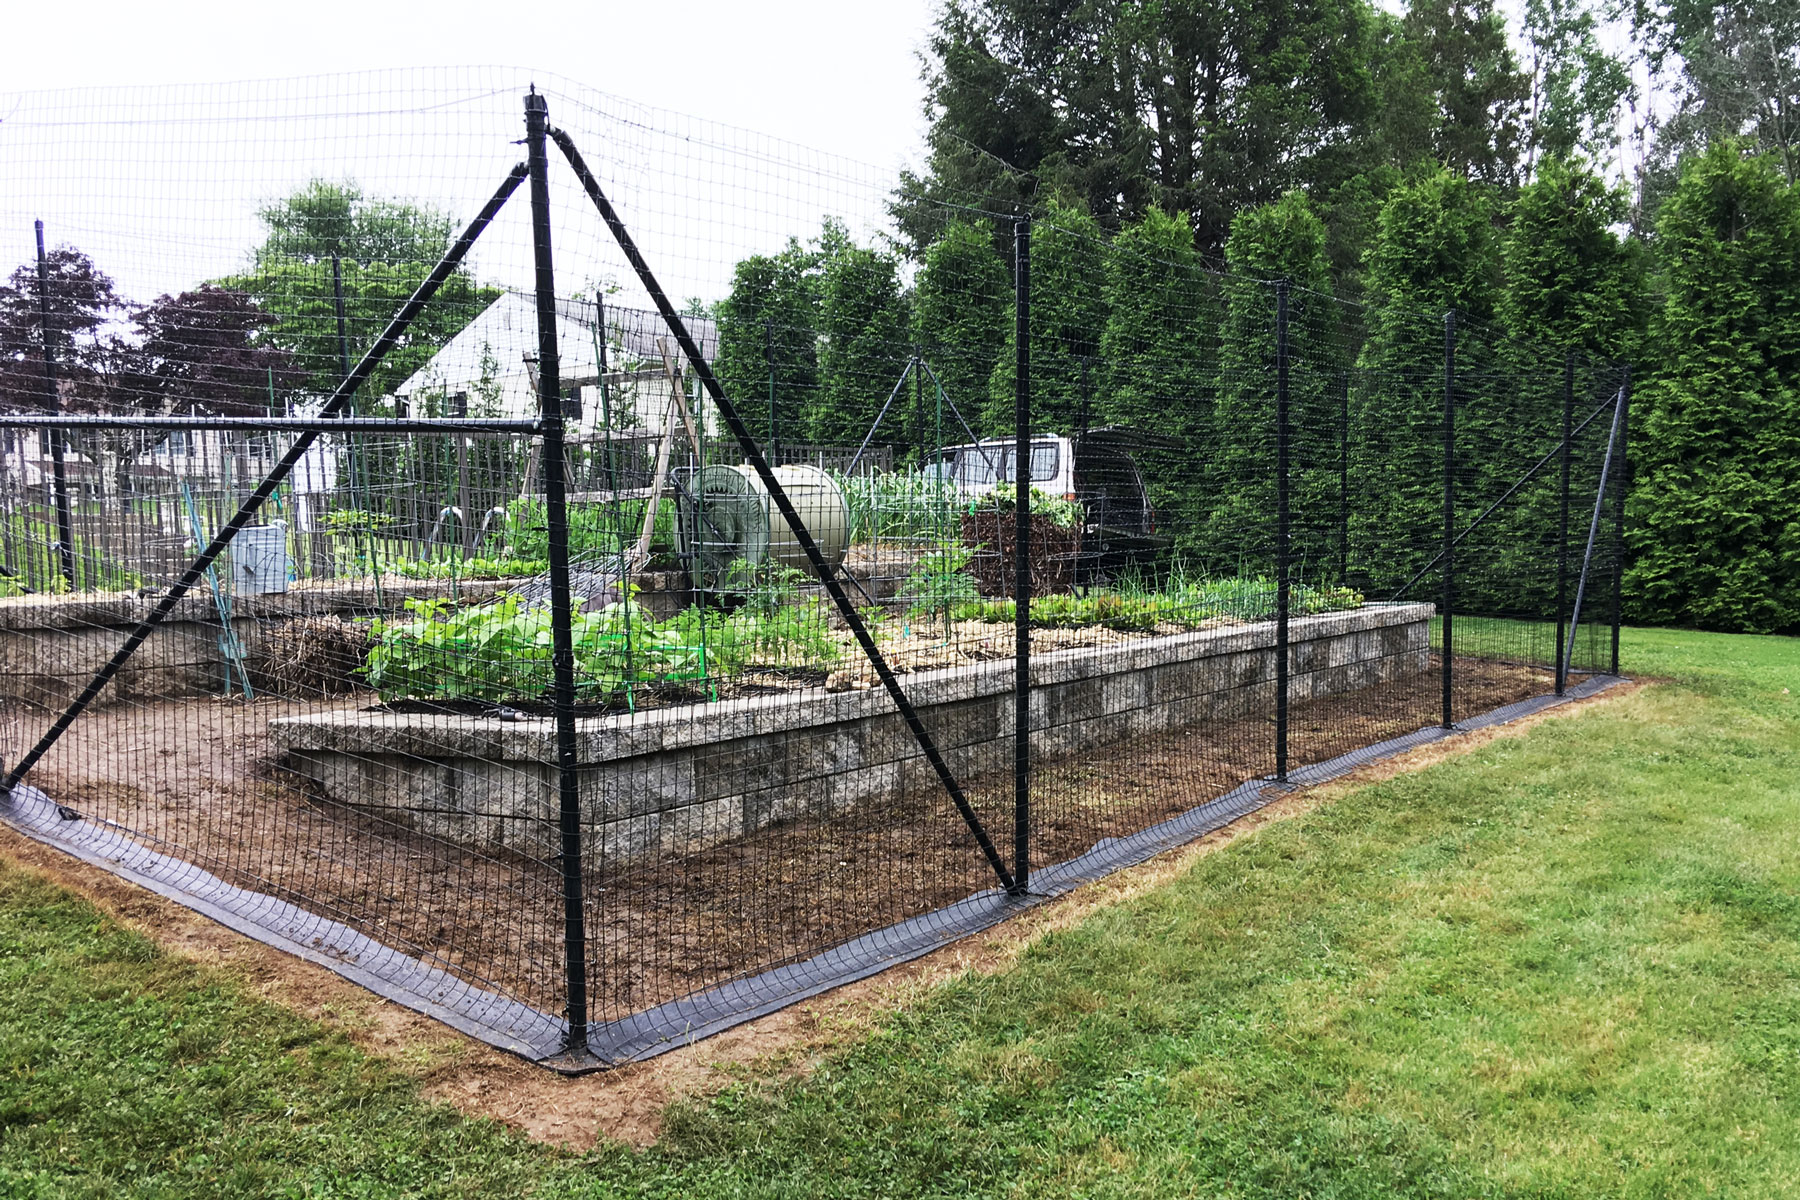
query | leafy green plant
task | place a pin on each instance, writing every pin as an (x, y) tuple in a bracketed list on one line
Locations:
[(500, 650), (474, 568), (897, 505), (1064, 514), (765, 587), (1187, 604), (938, 583), (600, 528), (355, 520)]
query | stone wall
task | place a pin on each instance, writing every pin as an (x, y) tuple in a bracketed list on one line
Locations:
[(678, 779), (50, 646)]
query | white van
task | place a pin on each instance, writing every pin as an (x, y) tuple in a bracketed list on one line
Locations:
[(1095, 468)]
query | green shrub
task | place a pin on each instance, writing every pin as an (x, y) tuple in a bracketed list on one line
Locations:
[(500, 650)]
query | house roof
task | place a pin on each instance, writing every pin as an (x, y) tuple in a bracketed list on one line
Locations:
[(507, 329)]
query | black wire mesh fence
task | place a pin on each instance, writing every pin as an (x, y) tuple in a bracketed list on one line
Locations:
[(423, 586)]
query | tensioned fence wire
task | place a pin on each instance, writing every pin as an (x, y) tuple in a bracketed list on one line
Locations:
[(344, 740)]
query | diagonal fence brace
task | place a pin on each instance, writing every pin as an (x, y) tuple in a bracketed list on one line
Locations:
[(339, 398), (1489, 511), (827, 575), (1587, 558)]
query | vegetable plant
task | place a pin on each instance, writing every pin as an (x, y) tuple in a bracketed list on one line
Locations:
[(500, 650), (938, 583)]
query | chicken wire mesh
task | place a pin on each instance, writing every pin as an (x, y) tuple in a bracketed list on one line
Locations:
[(520, 698)]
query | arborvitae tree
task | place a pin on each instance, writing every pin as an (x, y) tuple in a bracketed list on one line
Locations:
[(1571, 282), (1352, 213), (1716, 423), (1285, 240), (1434, 252), (961, 306), (1160, 352), (1068, 315), (768, 341), (1571, 287), (865, 342)]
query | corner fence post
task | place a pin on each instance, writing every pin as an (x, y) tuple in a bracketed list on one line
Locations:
[(1618, 579), (1283, 585), (1562, 526), (1449, 552), (556, 520), (1022, 556), (65, 524)]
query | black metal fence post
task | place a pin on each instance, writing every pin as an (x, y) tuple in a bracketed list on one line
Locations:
[(1344, 477), (65, 523), (1618, 579), (1022, 556), (769, 358), (1562, 524), (556, 521), (1449, 553), (1282, 546)]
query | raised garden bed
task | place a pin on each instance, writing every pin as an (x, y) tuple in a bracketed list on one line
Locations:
[(679, 779), (50, 646)]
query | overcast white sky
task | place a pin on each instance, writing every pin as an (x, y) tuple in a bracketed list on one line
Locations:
[(120, 181), (764, 66)]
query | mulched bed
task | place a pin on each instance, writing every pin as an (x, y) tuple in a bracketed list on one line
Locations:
[(199, 779)]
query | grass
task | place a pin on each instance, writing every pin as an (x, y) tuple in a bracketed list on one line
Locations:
[(1565, 964)]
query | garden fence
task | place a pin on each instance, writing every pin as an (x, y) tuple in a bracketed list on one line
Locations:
[(453, 603)]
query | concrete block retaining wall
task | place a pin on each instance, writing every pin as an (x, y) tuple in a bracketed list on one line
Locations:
[(50, 646), (679, 779)]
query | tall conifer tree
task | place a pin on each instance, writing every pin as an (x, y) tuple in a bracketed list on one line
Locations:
[(1159, 353), (1434, 252), (1285, 240), (961, 305), (1716, 439), (1068, 315), (768, 341)]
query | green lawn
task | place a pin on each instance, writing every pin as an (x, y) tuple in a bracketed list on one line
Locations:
[(1567, 964)]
